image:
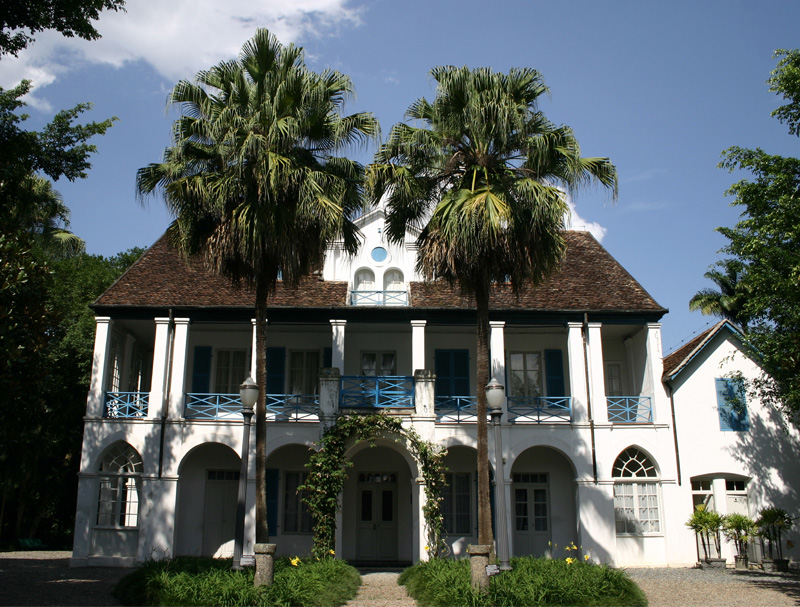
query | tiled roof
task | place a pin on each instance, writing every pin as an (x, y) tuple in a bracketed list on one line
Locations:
[(589, 279), (677, 360)]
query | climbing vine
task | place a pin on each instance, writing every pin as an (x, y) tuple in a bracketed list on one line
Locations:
[(327, 473)]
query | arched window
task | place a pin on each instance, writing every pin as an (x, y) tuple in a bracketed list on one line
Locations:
[(365, 280), (636, 494), (119, 479), (393, 281)]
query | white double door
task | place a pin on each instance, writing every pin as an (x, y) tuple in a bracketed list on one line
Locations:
[(377, 516)]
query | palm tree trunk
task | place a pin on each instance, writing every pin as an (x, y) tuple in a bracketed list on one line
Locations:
[(262, 528), (485, 535)]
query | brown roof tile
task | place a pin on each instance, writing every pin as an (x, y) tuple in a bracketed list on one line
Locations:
[(589, 280)]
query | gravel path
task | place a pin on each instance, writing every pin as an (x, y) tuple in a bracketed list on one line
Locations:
[(43, 578)]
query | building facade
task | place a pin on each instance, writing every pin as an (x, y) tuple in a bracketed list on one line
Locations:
[(606, 444)]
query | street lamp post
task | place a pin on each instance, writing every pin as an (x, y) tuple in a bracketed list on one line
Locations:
[(495, 394), (248, 392)]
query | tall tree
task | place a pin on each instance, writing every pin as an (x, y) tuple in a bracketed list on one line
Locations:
[(484, 173), (727, 302), (767, 244), (20, 20), (255, 184)]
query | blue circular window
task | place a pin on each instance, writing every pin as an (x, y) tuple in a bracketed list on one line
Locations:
[(379, 254)]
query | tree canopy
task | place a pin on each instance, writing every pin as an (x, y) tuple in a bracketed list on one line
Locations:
[(20, 20)]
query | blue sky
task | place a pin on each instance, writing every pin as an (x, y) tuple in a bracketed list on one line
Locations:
[(661, 88)]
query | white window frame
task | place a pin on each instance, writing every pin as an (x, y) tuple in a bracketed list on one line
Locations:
[(451, 505), (510, 371), (303, 523), (631, 484), (232, 385), (378, 368), (119, 488)]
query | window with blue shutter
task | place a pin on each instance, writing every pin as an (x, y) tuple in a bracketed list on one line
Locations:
[(276, 370), (201, 370), (554, 372), (452, 372), (731, 405)]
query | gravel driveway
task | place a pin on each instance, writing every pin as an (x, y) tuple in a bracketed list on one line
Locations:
[(42, 578)]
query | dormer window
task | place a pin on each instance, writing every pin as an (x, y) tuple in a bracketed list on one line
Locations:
[(365, 280)]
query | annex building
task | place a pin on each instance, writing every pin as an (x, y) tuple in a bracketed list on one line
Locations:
[(607, 443)]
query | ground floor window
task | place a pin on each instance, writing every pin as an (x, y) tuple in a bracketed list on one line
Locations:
[(636, 503), (456, 501), (119, 481), (296, 517)]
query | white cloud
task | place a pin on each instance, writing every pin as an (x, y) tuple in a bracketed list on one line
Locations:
[(576, 222), (177, 38)]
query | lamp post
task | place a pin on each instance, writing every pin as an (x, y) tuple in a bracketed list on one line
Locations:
[(495, 394), (248, 392)]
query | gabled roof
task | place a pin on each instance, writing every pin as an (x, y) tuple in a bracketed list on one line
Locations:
[(589, 280), (678, 360)]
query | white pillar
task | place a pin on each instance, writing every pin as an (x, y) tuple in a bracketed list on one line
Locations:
[(497, 346), (418, 501), (577, 372), (418, 345), (597, 376), (82, 536), (180, 350), (328, 398), (96, 400), (653, 372), (337, 344), (158, 382)]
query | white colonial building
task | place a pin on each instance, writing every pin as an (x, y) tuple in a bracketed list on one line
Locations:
[(605, 443)]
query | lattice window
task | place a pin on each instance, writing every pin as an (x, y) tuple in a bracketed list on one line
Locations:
[(119, 483), (456, 504), (636, 504)]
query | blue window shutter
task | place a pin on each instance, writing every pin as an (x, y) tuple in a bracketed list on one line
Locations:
[(276, 370), (201, 370), (729, 418), (272, 475), (327, 357), (554, 372), (452, 372)]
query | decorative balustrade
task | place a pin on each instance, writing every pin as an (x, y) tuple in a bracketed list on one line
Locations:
[(126, 405), (280, 407), (379, 298), (381, 392), (629, 409), (539, 409), (456, 409)]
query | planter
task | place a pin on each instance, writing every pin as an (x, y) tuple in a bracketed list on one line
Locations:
[(713, 564), (775, 565), (741, 562)]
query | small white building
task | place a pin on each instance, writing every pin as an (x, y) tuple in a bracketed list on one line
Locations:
[(606, 443)]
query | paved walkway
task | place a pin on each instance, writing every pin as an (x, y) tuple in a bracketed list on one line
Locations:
[(380, 589)]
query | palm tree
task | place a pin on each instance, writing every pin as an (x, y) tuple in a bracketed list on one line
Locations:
[(729, 301), (254, 184), (483, 173)]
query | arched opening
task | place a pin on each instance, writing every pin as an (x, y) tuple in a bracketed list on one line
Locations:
[(377, 508), (208, 489), (119, 479), (542, 502), (364, 280)]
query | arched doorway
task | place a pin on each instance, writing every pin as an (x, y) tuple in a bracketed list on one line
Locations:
[(378, 508), (208, 488), (542, 502)]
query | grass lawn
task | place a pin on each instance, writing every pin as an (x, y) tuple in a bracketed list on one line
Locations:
[(204, 581), (532, 581)]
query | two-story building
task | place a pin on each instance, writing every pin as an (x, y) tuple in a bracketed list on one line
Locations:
[(601, 448)]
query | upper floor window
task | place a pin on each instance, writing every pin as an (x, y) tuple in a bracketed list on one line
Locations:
[(525, 374), (119, 478), (393, 281), (231, 371), (378, 363), (379, 254), (303, 371), (732, 405)]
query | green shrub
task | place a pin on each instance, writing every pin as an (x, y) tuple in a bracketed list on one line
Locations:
[(532, 581), (195, 581)]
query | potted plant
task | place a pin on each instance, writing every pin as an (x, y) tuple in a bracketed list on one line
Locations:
[(739, 529), (707, 524), (771, 523)]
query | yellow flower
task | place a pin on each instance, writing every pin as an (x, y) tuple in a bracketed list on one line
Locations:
[(586, 557), (295, 561), (427, 548), (332, 552), (570, 560)]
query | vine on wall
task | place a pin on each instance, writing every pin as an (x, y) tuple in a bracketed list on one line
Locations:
[(327, 473)]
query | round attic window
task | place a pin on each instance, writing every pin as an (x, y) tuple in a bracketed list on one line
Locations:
[(379, 254)]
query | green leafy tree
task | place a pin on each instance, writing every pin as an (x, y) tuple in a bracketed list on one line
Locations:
[(255, 184), (728, 302), (20, 20), (483, 173), (766, 242)]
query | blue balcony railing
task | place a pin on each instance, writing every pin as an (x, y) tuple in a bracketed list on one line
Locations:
[(539, 409), (280, 407), (379, 298), (456, 409), (126, 404), (629, 410), (381, 392)]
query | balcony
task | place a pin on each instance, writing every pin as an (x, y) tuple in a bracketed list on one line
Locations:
[(630, 410), (539, 409), (280, 407), (378, 298), (383, 392), (456, 409), (126, 405)]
